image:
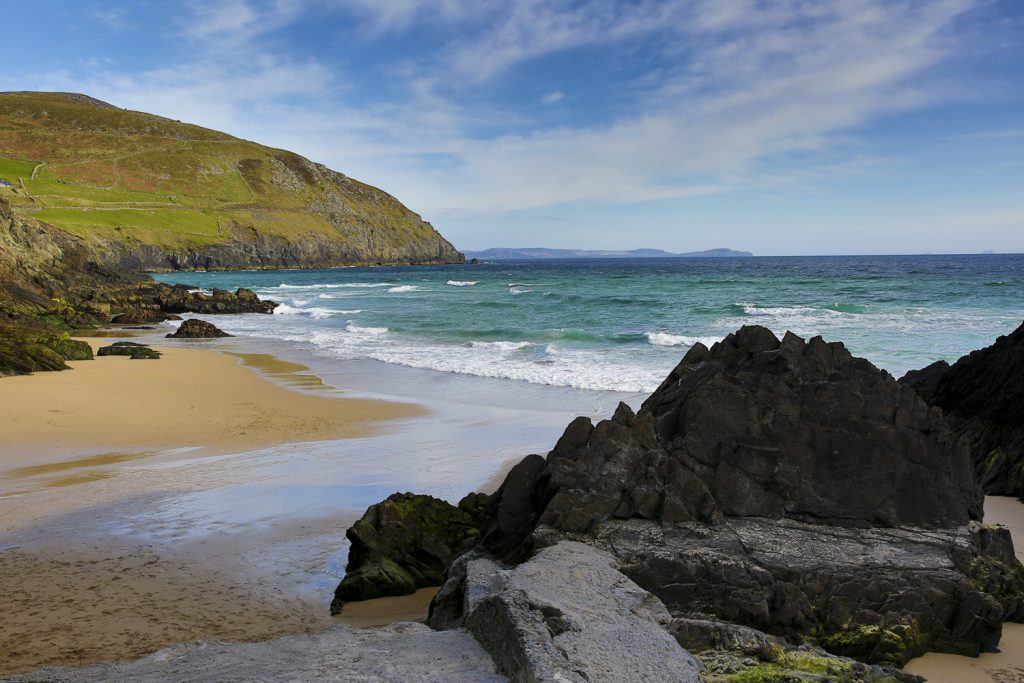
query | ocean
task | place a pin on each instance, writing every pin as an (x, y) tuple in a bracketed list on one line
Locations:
[(622, 324)]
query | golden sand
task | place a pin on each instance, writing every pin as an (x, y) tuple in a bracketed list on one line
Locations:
[(190, 397)]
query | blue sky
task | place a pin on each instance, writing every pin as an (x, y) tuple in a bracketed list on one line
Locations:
[(782, 127)]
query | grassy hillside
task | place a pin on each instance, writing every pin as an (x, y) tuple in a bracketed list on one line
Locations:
[(150, 185)]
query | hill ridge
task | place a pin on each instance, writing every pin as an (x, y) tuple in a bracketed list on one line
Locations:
[(158, 194)]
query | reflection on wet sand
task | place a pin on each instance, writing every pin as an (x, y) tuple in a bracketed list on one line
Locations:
[(292, 374)]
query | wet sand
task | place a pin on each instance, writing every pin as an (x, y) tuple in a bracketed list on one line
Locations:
[(382, 611), (1007, 665), (189, 398), (116, 540)]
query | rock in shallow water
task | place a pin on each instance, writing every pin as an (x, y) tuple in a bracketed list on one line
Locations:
[(197, 329)]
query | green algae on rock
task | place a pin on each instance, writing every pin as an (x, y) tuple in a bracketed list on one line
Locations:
[(403, 543)]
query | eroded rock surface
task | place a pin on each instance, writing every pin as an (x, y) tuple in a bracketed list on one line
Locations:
[(400, 653), (982, 397), (568, 614), (783, 485)]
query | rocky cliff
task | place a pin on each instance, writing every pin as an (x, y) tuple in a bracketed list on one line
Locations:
[(52, 282), (149, 193), (982, 397)]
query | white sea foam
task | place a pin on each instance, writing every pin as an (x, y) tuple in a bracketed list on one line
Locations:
[(753, 309), (200, 290), (658, 338), (336, 285), (462, 283), (367, 331), (516, 291), (312, 312), (500, 345), (404, 288)]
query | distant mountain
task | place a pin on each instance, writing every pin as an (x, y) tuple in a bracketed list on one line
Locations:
[(506, 253)]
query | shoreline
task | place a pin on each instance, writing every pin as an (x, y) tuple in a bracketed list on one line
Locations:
[(200, 399), (112, 554)]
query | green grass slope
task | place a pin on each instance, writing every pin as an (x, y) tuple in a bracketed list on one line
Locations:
[(165, 194)]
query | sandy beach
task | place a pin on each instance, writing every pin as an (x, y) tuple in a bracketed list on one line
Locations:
[(189, 398), (76, 599), (206, 495)]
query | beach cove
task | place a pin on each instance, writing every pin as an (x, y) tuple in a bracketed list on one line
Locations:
[(125, 529)]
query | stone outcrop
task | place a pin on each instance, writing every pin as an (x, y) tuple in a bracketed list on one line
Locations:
[(131, 349), (982, 397), (568, 615), (404, 543), (782, 491), (197, 329), (396, 654), (52, 282), (783, 486)]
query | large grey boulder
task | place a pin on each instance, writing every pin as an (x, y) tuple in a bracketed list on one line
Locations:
[(567, 615)]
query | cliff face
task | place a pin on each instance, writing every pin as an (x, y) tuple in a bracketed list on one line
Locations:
[(52, 282), (155, 194)]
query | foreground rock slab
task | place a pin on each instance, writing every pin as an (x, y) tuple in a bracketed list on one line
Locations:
[(567, 615), (402, 652)]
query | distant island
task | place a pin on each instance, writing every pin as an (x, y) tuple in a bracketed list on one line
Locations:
[(507, 253)]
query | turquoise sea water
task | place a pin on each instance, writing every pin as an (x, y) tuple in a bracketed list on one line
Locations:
[(623, 324)]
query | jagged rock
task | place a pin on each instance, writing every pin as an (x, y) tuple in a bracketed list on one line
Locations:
[(197, 329), (403, 543), (399, 653), (753, 427), (133, 350), (982, 397), (182, 299), (784, 485), (569, 615)]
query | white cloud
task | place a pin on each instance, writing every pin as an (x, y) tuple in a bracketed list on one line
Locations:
[(737, 89)]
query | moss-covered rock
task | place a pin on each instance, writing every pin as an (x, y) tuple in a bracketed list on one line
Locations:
[(131, 349), (73, 349), (404, 543)]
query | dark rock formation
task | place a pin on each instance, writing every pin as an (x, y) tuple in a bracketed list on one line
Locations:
[(131, 349), (781, 485), (982, 397), (183, 299), (197, 329), (540, 625), (754, 427), (404, 543)]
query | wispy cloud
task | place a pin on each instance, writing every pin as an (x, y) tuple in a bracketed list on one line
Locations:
[(734, 95)]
